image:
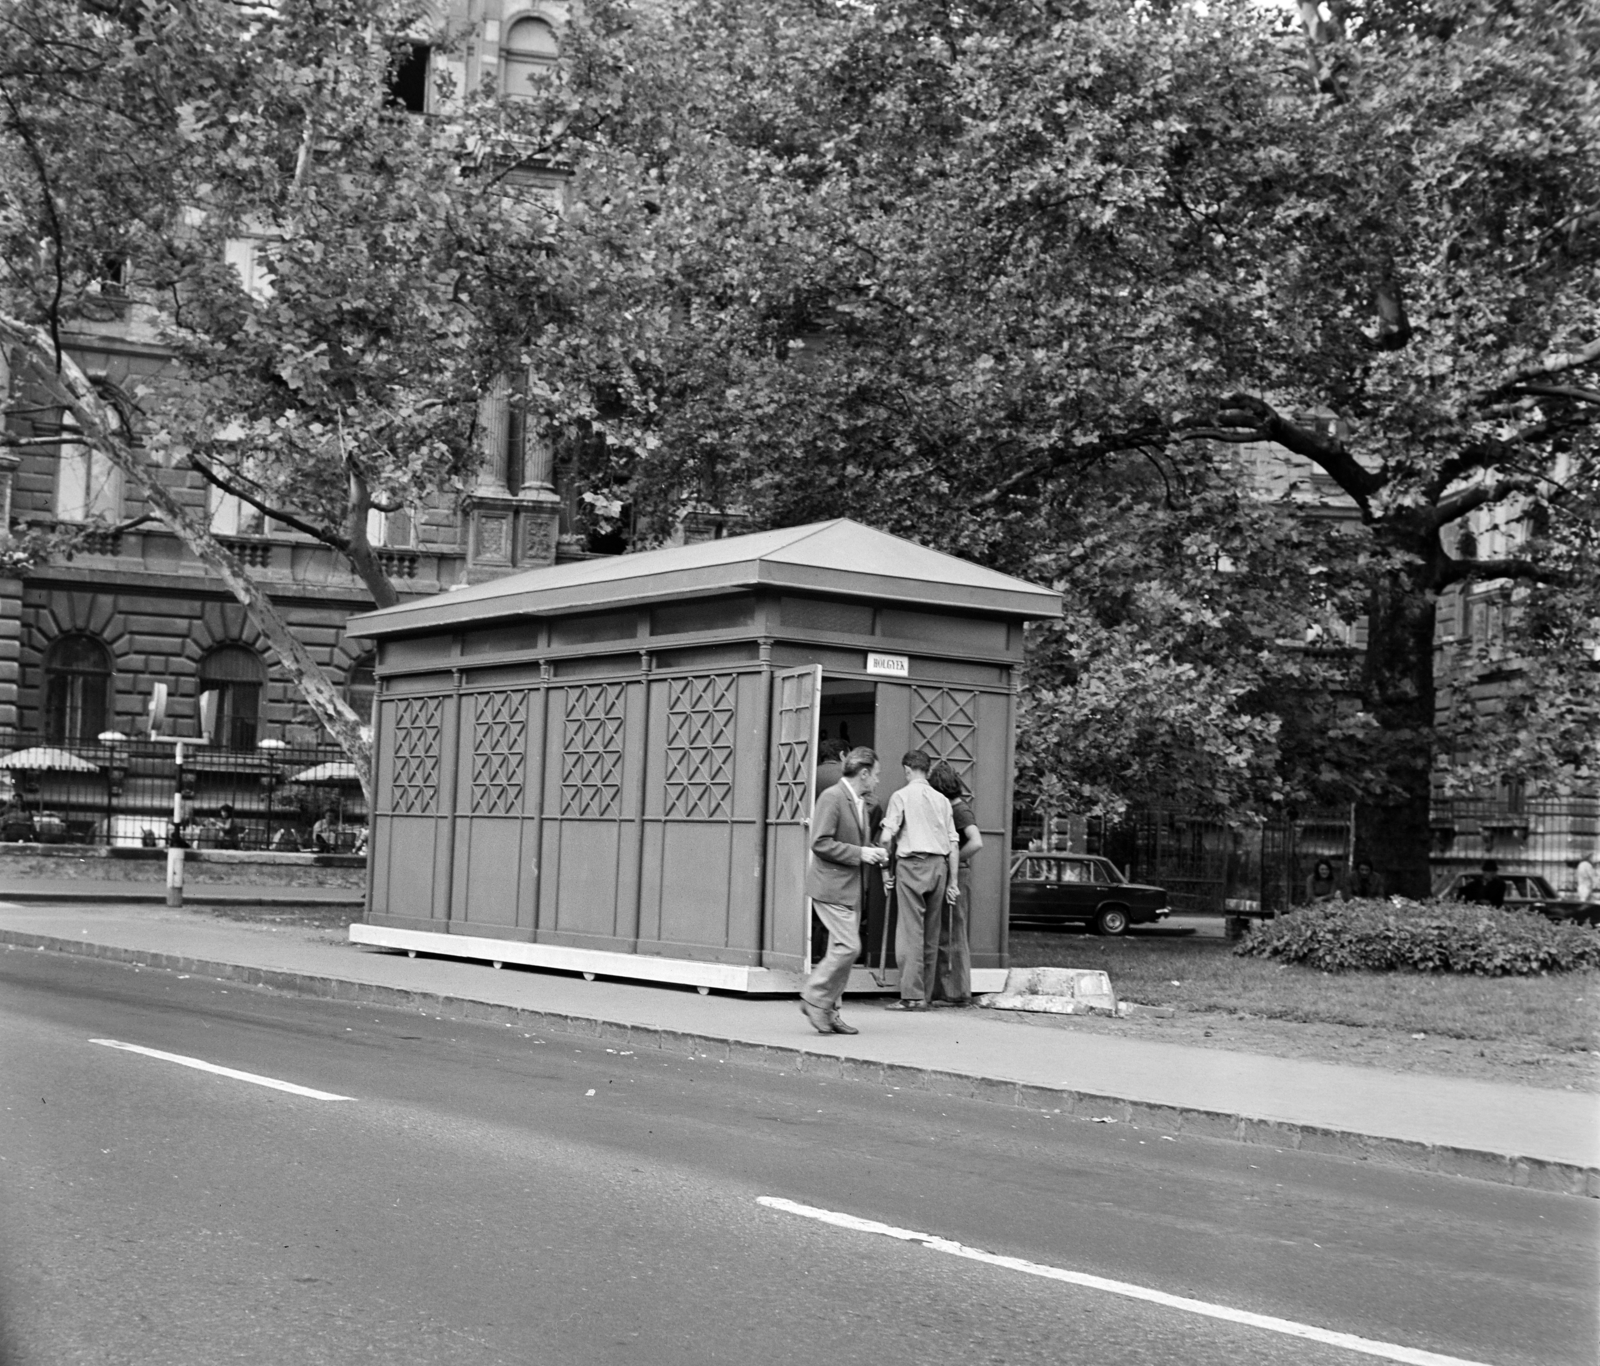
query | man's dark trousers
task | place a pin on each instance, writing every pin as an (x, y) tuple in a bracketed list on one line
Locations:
[(919, 883)]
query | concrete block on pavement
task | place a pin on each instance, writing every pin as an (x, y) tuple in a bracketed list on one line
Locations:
[(1055, 991)]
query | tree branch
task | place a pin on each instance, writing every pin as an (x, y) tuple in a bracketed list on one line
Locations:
[(326, 535), (1457, 505), (1245, 412), (58, 235), (1478, 571), (1063, 452), (1553, 363)]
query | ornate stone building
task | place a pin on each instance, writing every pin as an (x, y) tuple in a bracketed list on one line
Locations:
[(85, 636)]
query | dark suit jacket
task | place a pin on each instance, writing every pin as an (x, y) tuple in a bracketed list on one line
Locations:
[(836, 841)]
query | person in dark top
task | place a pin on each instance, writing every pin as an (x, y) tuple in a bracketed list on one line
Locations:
[(228, 828), (829, 766), (1323, 884), (952, 979), (1367, 883), (1488, 888)]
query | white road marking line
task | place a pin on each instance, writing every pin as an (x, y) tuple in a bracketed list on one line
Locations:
[(1388, 1351), (237, 1075)]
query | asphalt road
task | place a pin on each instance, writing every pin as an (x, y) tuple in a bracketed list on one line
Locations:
[(485, 1197)]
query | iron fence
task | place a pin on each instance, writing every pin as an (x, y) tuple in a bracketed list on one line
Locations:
[(1261, 866), (1543, 835), (118, 791)]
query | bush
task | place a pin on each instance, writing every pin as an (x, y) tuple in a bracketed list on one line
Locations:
[(1378, 936)]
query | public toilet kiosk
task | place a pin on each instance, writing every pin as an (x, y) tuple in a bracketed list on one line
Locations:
[(609, 766)]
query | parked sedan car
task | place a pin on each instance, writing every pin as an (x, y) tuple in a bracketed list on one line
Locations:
[(1055, 889), (1524, 892)]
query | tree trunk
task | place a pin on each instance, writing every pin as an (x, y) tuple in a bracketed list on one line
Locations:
[(1392, 830), (68, 386), (358, 548)]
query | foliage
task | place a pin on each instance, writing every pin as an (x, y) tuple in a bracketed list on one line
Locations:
[(1438, 937), (1005, 280)]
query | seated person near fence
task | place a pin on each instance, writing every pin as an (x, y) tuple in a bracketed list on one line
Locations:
[(325, 833), (1323, 884), (286, 841), (228, 831)]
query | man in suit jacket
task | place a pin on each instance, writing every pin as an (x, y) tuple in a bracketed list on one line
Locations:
[(840, 847)]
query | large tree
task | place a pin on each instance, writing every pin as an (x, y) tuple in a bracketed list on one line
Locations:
[(337, 282), (1020, 280)]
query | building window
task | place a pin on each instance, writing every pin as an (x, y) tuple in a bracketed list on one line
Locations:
[(529, 55), (88, 485), (395, 530), (237, 677), (408, 78), (361, 686), (232, 516), (77, 689)]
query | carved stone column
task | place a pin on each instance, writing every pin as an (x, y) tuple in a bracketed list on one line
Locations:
[(494, 425)]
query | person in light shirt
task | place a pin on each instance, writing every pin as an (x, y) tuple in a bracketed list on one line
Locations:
[(919, 831)]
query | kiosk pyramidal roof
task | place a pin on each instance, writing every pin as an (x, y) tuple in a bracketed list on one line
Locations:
[(838, 557)]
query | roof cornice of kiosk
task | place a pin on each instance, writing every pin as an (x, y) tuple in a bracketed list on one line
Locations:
[(839, 558)]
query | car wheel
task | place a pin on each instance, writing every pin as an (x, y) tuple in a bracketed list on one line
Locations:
[(1111, 920)]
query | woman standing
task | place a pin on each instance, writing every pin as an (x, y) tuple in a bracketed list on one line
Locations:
[(952, 978)]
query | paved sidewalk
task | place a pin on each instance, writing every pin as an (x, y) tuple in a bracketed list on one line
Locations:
[(124, 891), (1520, 1135)]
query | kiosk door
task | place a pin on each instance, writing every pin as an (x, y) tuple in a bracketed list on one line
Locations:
[(792, 764)]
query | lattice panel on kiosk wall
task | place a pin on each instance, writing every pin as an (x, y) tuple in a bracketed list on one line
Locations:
[(795, 703), (499, 747), (700, 729), (591, 751), (416, 756), (944, 723)]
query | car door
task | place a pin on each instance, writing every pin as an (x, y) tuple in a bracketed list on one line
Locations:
[(1077, 896), (1030, 889)]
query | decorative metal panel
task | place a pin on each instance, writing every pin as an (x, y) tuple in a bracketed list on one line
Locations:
[(499, 747), (416, 756), (700, 728), (944, 723), (591, 751), (796, 698)]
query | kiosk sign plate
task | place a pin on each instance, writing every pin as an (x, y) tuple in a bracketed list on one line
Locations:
[(889, 666)]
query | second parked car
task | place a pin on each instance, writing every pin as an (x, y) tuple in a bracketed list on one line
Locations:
[(1524, 892), (1054, 889)]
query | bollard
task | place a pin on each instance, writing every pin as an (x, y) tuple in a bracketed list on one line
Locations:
[(174, 877)]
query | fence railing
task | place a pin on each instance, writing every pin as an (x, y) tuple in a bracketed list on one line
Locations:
[(120, 792)]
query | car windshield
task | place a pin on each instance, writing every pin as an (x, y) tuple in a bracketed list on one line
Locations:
[(1104, 870)]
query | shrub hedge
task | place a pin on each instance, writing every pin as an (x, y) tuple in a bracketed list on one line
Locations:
[(1423, 937)]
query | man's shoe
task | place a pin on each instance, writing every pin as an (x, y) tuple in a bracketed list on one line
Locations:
[(820, 1019), (840, 1027), (906, 1005)]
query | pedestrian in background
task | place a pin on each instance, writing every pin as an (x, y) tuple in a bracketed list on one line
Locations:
[(919, 831), (1588, 884), (952, 981), (830, 767), (840, 849)]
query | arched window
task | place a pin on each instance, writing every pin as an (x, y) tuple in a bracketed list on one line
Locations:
[(361, 687), (77, 688), (529, 54), (237, 676)]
